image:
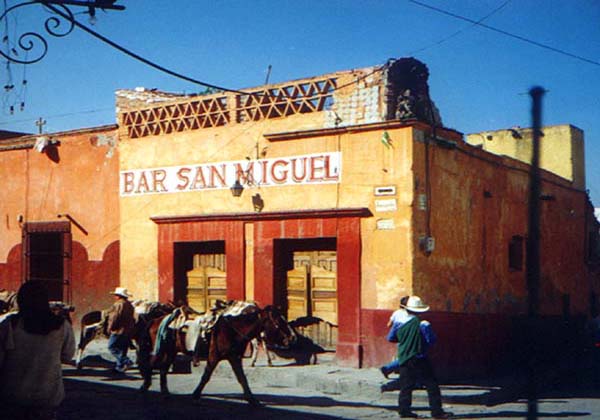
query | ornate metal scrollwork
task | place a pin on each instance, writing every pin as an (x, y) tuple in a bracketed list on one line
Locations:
[(33, 42), (58, 25)]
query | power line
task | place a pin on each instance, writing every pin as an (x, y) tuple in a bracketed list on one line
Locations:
[(166, 70), (497, 9), (506, 33), (91, 111)]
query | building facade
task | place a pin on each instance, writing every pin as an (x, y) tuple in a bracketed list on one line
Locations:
[(331, 197), (60, 214), (334, 196)]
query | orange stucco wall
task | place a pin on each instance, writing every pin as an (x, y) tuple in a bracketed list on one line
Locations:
[(477, 202), (79, 178)]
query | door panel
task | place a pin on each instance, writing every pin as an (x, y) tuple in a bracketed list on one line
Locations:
[(324, 294), (312, 291), (207, 281), (297, 296)]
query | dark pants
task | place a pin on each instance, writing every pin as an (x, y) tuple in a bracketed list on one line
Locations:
[(418, 369), (118, 344)]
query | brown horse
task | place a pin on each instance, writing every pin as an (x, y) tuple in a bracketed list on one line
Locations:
[(228, 340)]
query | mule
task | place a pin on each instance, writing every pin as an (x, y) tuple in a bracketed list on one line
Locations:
[(94, 324), (304, 350), (228, 339)]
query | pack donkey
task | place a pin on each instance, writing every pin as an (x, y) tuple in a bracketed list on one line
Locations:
[(221, 334)]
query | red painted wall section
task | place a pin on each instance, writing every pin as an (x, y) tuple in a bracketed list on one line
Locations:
[(232, 232), (10, 272), (166, 275), (348, 248), (267, 229), (472, 345), (92, 281), (347, 231)]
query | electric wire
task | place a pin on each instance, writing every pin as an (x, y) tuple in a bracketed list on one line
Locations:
[(174, 73), (151, 198), (441, 41), (506, 33)]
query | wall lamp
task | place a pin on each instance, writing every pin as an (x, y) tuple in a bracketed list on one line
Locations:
[(237, 189)]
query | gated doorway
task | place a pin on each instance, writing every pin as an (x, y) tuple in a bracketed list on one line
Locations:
[(200, 273), (306, 285), (47, 257)]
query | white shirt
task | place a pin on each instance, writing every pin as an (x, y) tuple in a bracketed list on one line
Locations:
[(400, 316)]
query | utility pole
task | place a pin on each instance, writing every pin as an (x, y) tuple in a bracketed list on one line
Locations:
[(533, 251)]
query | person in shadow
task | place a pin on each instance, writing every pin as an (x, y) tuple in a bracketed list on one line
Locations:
[(33, 343), (396, 321), (414, 337), (121, 323)]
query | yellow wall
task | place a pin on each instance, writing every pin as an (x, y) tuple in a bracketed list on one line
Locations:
[(561, 149), (366, 164)]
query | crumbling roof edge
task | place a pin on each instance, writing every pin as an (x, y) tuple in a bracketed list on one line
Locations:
[(526, 129), (175, 97), (27, 141)]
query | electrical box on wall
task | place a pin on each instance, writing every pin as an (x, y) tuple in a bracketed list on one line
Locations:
[(427, 243)]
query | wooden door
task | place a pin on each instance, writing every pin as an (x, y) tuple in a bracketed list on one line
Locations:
[(207, 281), (312, 291), (297, 292)]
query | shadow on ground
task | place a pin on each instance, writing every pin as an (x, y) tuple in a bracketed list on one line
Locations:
[(102, 401)]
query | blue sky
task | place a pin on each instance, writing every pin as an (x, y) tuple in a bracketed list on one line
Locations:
[(479, 79)]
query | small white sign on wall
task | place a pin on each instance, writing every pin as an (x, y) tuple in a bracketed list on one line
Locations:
[(386, 224), (388, 204)]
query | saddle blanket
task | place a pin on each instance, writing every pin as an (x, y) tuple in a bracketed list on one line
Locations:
[(201, 326)]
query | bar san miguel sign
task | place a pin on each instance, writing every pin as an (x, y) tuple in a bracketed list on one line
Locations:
[(323, 168)]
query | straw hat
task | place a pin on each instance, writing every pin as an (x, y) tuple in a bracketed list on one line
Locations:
[(415, 304), (121, 291)]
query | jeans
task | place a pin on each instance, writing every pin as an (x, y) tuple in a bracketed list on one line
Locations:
[(118, 344)]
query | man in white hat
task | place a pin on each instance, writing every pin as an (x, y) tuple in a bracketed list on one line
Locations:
[(414, 337), (120, 326)]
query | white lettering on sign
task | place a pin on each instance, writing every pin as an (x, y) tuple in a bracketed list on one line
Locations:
[(323, 168), (386, 205), (385, 224)]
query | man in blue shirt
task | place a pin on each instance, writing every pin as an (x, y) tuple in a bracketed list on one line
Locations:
[(414, 337)]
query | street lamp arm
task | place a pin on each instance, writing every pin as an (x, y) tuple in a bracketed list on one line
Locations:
[(98, 4), (30, 47)]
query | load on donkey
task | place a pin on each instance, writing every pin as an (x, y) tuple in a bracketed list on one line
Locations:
[(94, 324), (221, 334), (8, 305)]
